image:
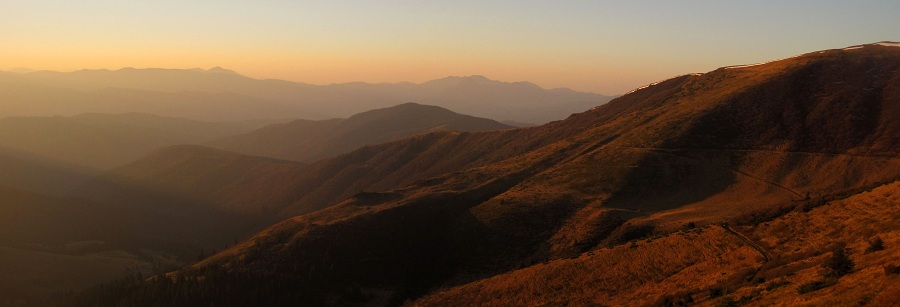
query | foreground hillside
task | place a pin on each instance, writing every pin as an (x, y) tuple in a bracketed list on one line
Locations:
[(709, 265), (744, 144), (309, 141)]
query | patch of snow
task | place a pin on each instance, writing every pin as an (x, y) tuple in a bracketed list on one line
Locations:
[(748, 65), (763, 63), (642, 87), (853, 48), (658, 82), (889, 44)]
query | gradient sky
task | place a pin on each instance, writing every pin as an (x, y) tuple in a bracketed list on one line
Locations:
[(606, 47)]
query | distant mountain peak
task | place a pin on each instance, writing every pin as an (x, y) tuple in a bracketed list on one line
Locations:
[(308, 141), (406, 104), (404, 108), (471, 78), (469, 94), (215, 70), (220, 70), (481, 80)]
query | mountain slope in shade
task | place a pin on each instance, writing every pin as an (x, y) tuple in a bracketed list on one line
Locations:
[(25, 171), (232, 182), (83, 204), (107, 140), (300, 190), (744, 144), (280, 189), (54, 245), (217, 95), (308, 141), (63, 228)]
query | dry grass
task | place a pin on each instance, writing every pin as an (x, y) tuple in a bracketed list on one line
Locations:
[(624, 275), (854, 220), (690, 149), (692, 262)]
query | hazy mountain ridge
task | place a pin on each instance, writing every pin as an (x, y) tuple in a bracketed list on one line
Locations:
[(735, 143), (64, 227), (255, 187), (104, 141), (27, 172), (321, 184), (309, 141), (206, 95), (93, 199)]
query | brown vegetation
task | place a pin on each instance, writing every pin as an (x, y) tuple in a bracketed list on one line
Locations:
[(691, 263), (497, 217)]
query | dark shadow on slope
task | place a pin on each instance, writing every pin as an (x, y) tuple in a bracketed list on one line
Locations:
[(396, 252), (815, 108), (666, 180)]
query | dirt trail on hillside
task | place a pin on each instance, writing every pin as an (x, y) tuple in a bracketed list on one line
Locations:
[(767, 257)]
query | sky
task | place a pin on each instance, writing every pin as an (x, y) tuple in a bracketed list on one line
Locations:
[(607, 47)]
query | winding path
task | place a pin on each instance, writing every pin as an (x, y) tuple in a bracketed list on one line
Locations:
[(767, 257)]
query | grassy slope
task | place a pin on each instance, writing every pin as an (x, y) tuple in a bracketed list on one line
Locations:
[(676, 152), (692, 262), (543, 205)]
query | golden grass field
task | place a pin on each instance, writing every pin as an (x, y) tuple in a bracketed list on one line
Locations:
[(691, 262)]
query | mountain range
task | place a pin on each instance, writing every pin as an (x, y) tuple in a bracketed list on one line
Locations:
[(739, 185), (104, 141), (71, 200), (222, 95)]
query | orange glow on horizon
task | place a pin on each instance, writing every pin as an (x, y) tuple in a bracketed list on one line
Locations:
[(601, 47)]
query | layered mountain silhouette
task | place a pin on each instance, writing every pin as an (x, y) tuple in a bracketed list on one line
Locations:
[(249, 185), (65, 227), (308, 141), (594, 208), (223, 95), (104, 141)]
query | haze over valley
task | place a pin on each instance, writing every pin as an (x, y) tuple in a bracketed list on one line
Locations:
[(219, 94), (437, 154)]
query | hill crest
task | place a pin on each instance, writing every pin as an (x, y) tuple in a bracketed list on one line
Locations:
[(308, 141)]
